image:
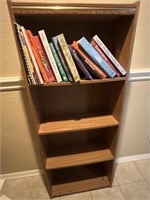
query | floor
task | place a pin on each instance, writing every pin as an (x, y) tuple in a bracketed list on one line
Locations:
[(132, 182)]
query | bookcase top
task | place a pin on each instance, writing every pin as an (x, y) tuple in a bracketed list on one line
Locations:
[(76, 7)]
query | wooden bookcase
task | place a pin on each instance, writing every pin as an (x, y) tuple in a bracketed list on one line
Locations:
[(77, 124)]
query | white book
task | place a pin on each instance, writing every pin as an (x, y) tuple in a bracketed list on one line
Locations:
[(32, 56), (109, 54), (49, 55)]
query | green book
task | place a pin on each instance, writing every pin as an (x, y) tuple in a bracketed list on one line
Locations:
[(58, 63)]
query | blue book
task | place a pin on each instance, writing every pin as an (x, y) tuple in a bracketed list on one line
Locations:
[(94, 55)]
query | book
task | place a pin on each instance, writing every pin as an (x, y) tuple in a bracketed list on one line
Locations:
[(94, 55), (28, 64), (36, 68), (93, 72), (109, 54), (58, 62), (80, 63), (44, 58), (51, 59), (36, 55), (75, 46), (57, 47), (98, 49), (67, 55)]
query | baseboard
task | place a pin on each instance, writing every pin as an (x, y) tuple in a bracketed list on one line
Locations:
[(38, 172), (133, 158), (22, 174)]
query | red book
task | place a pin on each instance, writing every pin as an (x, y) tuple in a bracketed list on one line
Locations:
[(44, 59), (95, 45), (37, 57), (75, 46)]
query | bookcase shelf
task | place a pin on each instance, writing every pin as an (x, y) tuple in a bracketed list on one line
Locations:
[(77, 125), (77, 122), (78, 179)]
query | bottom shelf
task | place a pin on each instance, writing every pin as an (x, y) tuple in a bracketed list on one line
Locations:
[(79, 179)]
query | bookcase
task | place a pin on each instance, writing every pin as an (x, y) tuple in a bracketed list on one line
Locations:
[(77, 125)]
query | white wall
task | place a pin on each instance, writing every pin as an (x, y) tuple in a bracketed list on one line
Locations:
[(18, 149)]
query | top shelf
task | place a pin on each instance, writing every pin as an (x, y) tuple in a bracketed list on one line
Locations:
[(82, 82), (73, 8)]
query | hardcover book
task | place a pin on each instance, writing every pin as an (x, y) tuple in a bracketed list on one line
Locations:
[(93, 72), (109, 54), (57, 47), (94, 55), (75, 46), (58, 63), (98, 49), (44, 58), (36, 68), (28, 64), (80, 63), (37, 57), (67, 55), (49, 55)]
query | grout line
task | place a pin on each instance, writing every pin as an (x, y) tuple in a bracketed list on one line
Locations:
[(91, 195), (140, 173), (122, 192)]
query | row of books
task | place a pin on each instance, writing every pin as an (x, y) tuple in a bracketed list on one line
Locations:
[(56, 61)]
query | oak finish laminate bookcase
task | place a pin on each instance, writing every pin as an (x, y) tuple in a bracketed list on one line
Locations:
[(77, 124)]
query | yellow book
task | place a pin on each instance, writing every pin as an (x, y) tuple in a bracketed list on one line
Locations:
[(68, 57)]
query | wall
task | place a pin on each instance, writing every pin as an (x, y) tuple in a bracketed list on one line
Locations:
[(18, 150)]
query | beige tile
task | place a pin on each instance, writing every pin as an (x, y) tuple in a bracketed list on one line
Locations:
[(136, 191), (113, 193), (127, 173), (25, 188), (3, 197), (78, 196), (144, 168)]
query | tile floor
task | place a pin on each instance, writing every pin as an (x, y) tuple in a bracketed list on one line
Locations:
[(132, 182)]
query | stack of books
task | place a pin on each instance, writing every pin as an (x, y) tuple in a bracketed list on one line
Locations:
[(56, 61)]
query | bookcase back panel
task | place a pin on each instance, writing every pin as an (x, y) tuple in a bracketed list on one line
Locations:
[(98, 169), (75, 28), (76, 98), (78, 142)]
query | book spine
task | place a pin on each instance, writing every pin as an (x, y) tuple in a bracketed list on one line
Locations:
[(68, 57), (87, 65), (55, 42), (28, 61), (95, 45), (109, 54), (44, 58), (49, 55), (28, 67), (88, 48), (59, 65), (75, 46), (32, 56), (79, 63), (37, 57)]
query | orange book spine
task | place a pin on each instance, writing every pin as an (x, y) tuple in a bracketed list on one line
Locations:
[(44, 58), (37, 57), (75, 46)]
